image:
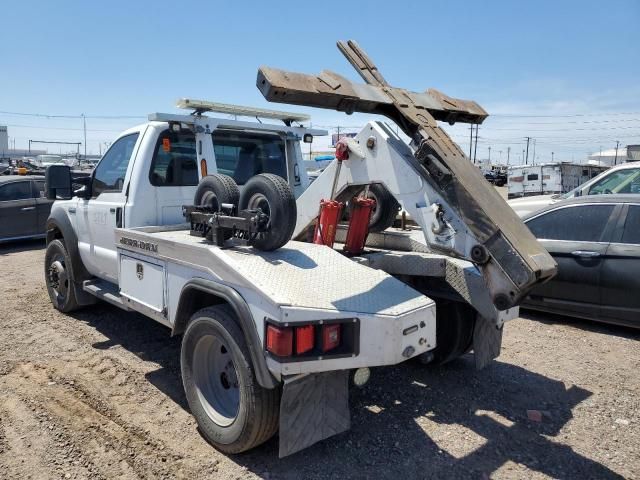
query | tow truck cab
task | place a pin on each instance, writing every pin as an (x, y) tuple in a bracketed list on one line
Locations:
[(152, 170)]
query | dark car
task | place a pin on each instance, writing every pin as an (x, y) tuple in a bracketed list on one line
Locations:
[(23, 207), (596, 242), (498, 178)]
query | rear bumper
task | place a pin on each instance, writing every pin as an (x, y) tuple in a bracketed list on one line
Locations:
[(383, 340)]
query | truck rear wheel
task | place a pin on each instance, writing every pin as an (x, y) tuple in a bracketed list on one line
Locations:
[(271, 194), (233, 412), (454, 330), (57, 273), (214, 190)]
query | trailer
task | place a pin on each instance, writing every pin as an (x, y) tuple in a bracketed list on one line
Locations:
[(548, 178)]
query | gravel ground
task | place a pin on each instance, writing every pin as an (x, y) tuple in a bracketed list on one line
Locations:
[(98, 395)]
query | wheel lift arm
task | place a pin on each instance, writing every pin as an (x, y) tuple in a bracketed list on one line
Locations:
[(459, 211)]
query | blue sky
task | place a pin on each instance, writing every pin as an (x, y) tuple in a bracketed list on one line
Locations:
[(533, 65)]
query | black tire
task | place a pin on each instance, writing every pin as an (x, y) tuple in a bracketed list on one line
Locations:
[(59, 277), (273, 196), (216, 189), (386, 209), (213, 334), (454, 330)]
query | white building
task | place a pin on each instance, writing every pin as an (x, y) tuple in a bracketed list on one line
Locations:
[(608, 157)]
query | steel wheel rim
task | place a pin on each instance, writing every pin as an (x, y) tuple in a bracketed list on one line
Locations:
[(209, 199), (259, 201), (58, 279), (216, 380)]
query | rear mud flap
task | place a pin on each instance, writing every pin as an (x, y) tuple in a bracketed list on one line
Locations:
[(313, 407), (487, 340)]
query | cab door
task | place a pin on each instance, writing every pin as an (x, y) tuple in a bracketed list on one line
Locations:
[(99, 215)]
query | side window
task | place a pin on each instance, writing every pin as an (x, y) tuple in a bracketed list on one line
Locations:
[(110, 172), (532, 176), (631, 232), (174, 162), (38, 189), (582, 223), (242, 155), (15, 191), (622, 181)]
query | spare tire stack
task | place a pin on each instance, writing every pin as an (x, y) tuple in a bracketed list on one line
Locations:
[(267, 193)]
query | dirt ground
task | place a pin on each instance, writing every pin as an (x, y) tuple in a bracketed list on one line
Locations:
[(98, 395)]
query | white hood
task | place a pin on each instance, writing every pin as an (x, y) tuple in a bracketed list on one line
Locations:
[(526, 205)]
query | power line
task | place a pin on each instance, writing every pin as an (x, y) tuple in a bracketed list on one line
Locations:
[(47, 115), (61, 128), (570, 115)]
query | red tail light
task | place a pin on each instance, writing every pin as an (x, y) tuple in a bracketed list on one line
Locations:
[(304, 338), (279, 340), (330, 337)]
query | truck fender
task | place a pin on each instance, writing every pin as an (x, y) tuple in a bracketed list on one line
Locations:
[(59, 226), (245, 320)]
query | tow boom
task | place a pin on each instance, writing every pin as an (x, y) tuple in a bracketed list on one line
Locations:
[(489, 233)]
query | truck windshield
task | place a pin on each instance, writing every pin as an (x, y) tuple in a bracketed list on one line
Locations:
[(242, 155), (621, 181)]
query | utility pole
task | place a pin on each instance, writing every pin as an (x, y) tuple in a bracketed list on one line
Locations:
[(508, 154), (470, 141), (534, 152), (526, 160), (475, 150), (551, 157), (489, 155), (615, 161), (84, 128)]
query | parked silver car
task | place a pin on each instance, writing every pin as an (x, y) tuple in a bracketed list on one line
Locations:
[(595, 240)]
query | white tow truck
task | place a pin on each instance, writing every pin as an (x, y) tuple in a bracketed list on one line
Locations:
[(272, 327)]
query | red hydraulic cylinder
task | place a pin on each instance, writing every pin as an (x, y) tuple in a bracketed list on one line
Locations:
[(359, 225), (325, 233)]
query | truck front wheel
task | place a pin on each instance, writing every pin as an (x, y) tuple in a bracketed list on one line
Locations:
[(59, 279), (233, 412)]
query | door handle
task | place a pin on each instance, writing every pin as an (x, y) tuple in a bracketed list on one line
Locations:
[(25, 209), (585, 253), (72, 210), (112, 210)]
